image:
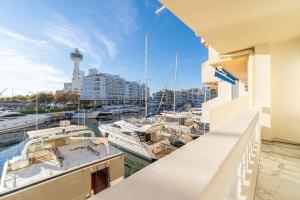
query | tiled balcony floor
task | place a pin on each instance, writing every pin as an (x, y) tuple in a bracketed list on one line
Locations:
[(279, 172)]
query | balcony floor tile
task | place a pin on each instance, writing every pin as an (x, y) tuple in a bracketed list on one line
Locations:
[(279, 172)]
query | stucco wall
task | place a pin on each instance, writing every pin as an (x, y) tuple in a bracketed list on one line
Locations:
[(228, 111), (285, 90), (262, 87)]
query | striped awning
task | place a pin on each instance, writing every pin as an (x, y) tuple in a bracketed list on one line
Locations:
[(225, 76)]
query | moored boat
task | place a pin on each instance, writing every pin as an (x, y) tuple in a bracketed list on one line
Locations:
[(57, 165), (145, 141)]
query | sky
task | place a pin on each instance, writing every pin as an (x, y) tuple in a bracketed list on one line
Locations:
[(36, 38)]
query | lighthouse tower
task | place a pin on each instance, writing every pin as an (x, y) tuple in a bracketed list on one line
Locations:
[(78, 75)]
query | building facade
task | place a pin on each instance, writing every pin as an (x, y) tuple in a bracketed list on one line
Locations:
[(192, 96), (103, 88)]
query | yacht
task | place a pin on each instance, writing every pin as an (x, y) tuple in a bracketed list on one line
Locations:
[(186, 123), (4, 114), (145, 141), (61, 166), (65, 128), (12, 129), (90, 114), (11, 124)]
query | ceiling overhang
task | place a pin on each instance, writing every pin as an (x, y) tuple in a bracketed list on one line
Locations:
[(233, 25)]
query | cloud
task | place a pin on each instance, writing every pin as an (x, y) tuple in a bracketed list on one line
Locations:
[(98, 31), (20, 37), (67, 34), (110, 45), (21, 72), (125, 14)]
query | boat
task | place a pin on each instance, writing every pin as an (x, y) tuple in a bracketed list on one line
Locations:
[(8, 125), (145, 141), (181, 122), (65, 128), (61, 166), (90, 114), (12, 129), (4, 114)]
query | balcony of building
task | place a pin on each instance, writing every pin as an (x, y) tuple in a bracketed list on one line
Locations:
[(227, 163)]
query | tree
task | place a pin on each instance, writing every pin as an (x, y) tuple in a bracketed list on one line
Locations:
[(43, 97), (64, 97)]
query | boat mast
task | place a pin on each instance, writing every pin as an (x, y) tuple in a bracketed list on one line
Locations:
[(175, 75), (36, 111), (146, 63)]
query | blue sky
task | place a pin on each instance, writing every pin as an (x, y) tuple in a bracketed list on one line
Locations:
[(36, 38)]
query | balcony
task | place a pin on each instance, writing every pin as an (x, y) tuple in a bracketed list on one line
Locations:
[(222, 164), (279, 169)]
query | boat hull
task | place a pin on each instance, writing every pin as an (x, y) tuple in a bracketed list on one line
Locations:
[(128, 144)]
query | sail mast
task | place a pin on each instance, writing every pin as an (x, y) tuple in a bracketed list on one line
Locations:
[(146, 63), (175, 75)]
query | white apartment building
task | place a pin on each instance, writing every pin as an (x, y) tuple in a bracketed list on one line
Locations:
[(105, 88)]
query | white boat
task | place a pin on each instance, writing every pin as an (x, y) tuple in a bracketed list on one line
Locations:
[(144, 141), (12, 129), (65, 128), (58, 165), (12, 124), (4, 114), (90, 114)]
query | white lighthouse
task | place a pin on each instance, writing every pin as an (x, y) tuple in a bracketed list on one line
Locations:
[(78, 75)]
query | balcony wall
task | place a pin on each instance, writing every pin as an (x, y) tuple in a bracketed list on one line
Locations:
[(222, 114), (219, 165), (208, 73), (224, 96)]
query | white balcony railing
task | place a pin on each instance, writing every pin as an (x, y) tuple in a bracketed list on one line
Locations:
[(222, 164)]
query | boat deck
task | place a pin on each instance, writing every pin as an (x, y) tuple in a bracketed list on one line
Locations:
[(164, 152), (74, 155)]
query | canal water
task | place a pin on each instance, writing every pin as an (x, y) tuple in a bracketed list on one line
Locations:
[(133, 163)]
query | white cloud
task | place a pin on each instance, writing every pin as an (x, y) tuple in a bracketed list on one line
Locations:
[(20, 37), (20, 72), (125, 14), (110, 45), (67, 34)]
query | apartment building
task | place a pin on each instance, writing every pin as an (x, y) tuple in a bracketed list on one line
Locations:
[(192, 96), (103, 88), (252, 150)]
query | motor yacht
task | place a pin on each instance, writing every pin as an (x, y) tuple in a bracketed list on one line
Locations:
[(61, 166), (145, 141)]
